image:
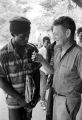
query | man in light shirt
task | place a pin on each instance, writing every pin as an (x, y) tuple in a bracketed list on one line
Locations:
[(67, 70)]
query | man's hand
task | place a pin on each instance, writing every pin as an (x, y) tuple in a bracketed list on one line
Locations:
[(37, 57)]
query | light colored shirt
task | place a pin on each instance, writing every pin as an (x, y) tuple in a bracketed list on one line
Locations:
[(68, 71)]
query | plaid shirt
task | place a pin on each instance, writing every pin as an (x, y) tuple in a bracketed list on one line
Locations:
[(18, 71)]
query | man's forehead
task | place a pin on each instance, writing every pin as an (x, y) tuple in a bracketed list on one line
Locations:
[(58, 28), (25, 33)]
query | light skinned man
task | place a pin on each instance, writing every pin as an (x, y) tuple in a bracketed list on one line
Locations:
[(67, 71)]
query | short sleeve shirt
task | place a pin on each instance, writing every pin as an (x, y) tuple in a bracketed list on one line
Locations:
[(16, 69)]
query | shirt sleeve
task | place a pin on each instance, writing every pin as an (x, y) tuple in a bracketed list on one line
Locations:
[(2, 72), (79, 64), (2, 69)]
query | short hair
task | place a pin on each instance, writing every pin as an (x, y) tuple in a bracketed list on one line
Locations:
[(19, 25), (46, 38), (67, 23), (79, 30)]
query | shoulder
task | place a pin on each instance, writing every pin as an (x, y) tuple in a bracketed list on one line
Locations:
[(4, 50), (4, 53), (77, 51), (78, 48)]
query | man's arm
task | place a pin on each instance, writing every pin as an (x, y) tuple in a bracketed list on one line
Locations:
[(36, 78), (39, 58), (6, 86), (47, 66)]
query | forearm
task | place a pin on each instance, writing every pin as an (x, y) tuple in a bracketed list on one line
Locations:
[(6, 86), (39, 58), (36, 77), (47, 66)]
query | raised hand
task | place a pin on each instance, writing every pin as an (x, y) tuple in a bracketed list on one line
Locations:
[(37, 57)]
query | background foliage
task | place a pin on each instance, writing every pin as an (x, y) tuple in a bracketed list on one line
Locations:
[(40, 12)]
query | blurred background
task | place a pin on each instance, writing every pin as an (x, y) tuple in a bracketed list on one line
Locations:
[(41, 13)]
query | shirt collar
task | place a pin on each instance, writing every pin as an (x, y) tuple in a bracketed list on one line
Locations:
[(66, 47), (10, 46)]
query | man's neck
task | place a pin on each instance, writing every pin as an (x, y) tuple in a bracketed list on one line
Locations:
[(17, 45), (65, 47), (19, 48)]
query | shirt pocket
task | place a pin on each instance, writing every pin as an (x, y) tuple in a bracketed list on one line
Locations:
[(64, 69)]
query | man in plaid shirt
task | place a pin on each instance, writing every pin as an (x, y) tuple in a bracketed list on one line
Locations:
[(19, 75)]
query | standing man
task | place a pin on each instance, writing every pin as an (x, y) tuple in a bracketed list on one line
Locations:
[(19, 75), (43, 72), (67, 80), (79, 42)]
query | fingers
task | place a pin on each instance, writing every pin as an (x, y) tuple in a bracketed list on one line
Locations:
[(33, 56), (37, 57)]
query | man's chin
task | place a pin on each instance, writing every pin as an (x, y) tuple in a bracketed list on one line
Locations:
[(23, 44)]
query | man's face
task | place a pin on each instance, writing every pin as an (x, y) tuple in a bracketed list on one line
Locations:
[(59, 34), (22, 38), (80, 36), (46, 43)]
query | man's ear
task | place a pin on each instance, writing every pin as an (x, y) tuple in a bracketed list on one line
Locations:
[(68, 33)]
